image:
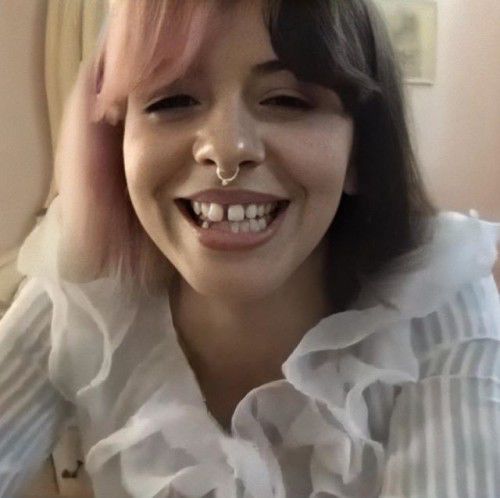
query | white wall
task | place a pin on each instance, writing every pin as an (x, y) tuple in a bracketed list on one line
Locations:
[(457, 120)]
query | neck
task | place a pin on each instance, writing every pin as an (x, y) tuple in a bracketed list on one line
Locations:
[(223, 337)]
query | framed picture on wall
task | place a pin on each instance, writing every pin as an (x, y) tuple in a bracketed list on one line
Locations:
[(413, 30)]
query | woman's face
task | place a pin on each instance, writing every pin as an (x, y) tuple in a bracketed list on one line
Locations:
[(291, 141)]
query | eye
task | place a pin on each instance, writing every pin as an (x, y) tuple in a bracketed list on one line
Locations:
[(173, 102), (289, 101)]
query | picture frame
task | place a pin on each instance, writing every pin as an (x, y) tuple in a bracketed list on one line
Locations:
[(413, 28)]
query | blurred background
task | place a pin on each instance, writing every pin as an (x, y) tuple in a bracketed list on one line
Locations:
[(450, 50)]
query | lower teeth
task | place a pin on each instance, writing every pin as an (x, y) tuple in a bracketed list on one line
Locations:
[(237, 227)]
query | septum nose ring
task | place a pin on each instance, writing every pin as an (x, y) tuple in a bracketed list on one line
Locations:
[(226, 181)]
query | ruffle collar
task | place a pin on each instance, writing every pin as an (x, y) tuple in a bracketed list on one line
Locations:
[(304, 435)]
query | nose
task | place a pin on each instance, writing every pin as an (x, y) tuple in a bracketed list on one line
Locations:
[(227, 139)]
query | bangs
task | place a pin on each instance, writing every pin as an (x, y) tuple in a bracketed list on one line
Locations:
[(151, 40), (143, 42), (329, 43)]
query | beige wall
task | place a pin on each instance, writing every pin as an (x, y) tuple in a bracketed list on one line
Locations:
[(457, 120), (25, 144)]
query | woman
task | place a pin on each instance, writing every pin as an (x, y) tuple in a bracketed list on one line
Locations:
[(252, 295)]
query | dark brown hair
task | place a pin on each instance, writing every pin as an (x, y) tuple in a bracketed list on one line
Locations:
[(344, 45)]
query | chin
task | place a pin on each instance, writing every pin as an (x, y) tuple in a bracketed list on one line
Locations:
[(234, 288)]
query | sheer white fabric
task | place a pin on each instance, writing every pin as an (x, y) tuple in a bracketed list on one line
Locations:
[(396, 397), (32, 412)]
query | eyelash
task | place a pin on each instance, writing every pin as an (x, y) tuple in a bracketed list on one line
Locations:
[(170, 103)]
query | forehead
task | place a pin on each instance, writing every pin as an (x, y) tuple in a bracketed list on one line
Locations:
[(237, 38)]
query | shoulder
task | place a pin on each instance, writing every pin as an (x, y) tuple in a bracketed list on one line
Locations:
[(455, 318), (25, 329), (458, 283), (442, 298), (463, 335), (462, 250), (30, 307)]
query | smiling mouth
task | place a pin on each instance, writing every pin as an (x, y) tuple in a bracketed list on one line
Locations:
[(250, 218)]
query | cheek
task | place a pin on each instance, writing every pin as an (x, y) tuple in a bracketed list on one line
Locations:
[(149, 163), (318, 157)]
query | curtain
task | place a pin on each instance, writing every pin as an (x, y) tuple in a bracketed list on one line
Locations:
[(72, 28), (71, 33)]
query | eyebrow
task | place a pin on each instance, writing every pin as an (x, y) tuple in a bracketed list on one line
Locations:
[(269, 67)]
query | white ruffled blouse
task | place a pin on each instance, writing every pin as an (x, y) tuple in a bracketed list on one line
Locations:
[(397, 397)]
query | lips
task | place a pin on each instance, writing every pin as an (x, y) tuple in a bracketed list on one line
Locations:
[(227, 241)]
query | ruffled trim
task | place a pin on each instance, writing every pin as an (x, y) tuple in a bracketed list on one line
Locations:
[(321, 424), (89, 320), (316, 418)]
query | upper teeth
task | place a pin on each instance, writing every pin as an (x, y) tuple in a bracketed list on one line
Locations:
[(235, 212)]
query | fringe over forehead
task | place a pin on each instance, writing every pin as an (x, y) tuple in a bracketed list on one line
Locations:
[(142, 39), (329, 42)]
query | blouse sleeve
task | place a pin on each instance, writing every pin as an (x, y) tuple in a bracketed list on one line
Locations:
[(444, 437), (32, 411)]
